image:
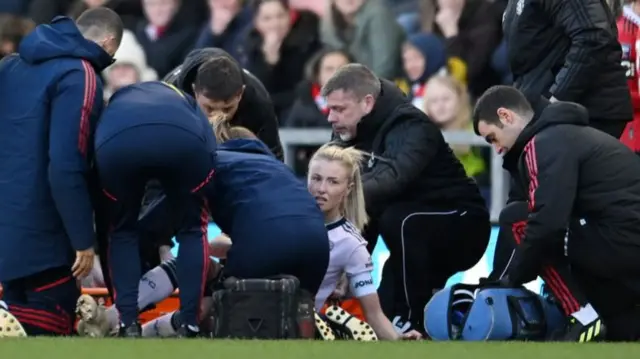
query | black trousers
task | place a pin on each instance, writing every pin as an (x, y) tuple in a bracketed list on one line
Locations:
[(45, 302), (613, 128), (513, 215), (183, 164), (427, 245), (586, 269)]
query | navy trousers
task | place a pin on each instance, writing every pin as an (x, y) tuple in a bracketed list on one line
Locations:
[(183, 165), (45, 302), (294, 246)]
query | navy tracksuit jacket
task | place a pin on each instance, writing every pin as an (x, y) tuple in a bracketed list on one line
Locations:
[(274, 223), (148, 131), (50, 100)]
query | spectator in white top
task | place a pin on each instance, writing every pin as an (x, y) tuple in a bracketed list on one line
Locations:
[(130, 66), (334, 181)]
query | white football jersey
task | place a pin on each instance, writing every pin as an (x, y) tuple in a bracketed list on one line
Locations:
[(348, 255)]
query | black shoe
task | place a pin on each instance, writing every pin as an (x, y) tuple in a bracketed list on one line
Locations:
[(132, 331), (185, 332), (577, 332)]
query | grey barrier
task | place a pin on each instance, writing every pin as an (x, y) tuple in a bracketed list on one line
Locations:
[(291, 138)]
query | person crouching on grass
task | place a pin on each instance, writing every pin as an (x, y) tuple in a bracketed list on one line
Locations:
[(251, 186)]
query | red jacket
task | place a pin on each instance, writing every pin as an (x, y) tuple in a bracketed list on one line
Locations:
[(629, 38), (628, 35)]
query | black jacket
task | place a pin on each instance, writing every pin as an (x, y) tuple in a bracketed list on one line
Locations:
[(573, 173), (305, 111), (255, 110), (298, 47), (167, 51), (568, 49), (409, 160)]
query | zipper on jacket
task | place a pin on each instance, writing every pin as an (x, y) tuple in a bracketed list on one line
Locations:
[(372, 159)]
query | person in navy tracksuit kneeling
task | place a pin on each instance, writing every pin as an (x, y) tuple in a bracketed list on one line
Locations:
[(50, 101), (274, 223), (150, 131)]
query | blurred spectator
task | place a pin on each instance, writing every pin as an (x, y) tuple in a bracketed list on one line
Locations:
[(310, 108), (424, 55), (129, 11), (410, 22), (499, 60), (447, 103), (165, 41), (227, 23), (316, 6), (500, 64), (278, 47), (12, 29), (43, 11), (471, 29), (130, 66), (369, 31), (14, 7), (408, 12)]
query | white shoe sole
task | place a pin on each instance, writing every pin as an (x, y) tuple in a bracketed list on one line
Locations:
[(10, 327), (90, 324), (358, 329), (323, 328)]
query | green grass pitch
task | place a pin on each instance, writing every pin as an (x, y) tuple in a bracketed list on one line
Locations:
[(32, 348)]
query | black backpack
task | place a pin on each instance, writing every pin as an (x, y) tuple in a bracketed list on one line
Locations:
[(274, 308)]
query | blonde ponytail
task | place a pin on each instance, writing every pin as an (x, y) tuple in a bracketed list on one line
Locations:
[(353, 207), (221, 127)]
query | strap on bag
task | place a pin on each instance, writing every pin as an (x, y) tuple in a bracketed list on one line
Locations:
[(521, 318)]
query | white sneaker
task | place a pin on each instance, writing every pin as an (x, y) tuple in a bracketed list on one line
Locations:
[(349, 326), (10, 327), (93, 319)]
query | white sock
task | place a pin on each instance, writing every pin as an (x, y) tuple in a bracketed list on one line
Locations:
[(4, 305), (585, 315), (159, 327), (113, 317), (155, 286)]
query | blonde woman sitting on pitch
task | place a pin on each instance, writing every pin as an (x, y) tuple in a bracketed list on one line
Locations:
[(334, 181)]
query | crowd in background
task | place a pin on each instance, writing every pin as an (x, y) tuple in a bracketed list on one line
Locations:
[(441, 53)]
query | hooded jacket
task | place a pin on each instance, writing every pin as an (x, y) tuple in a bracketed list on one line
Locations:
[(250, 188), (409, 160), (51, 98), (280, 79), (568, 49), (231, 38), (437, 61), (576, 176), (130, 53), (433, 49), (250, 183), (255, 111)]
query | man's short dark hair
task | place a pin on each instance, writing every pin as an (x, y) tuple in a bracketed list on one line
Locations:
[(487, 106), (220, 78), (354, 78), (100, 22)]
